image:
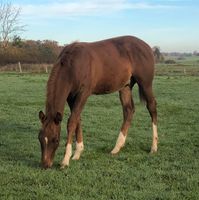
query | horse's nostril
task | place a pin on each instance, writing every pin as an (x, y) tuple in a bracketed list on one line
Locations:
[(51, 163), (46, 165)]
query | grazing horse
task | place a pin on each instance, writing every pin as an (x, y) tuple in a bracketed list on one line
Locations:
[(102, 67)]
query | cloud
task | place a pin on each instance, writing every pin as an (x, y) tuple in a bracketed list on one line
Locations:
[(84, 8)]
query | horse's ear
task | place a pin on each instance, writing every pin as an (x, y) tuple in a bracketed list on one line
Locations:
[(58, 118), (41, 116)]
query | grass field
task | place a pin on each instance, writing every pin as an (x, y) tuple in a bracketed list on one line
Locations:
[(173, 173)]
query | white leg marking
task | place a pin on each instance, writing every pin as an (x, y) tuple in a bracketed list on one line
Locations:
[(154, 146), (78, 151), (67, 156), (46, 140), (119, 144)]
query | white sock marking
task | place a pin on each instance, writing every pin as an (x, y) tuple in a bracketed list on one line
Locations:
[(119, 144), (78, 151), (46, 140), (154, 146), (67, 156)]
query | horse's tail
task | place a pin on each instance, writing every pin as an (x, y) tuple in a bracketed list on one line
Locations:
[(140, 89), (141, 94)]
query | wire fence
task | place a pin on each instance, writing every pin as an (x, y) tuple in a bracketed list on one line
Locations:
[(27, 68), (177, 69), (160, 69)]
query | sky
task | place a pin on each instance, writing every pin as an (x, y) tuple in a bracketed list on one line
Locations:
[(172, 25)]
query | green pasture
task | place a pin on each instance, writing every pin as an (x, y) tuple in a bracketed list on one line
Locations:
[(172, 173)]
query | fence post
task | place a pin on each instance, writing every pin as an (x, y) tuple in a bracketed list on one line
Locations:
[(46, 68), (20, 69), (185, 71)]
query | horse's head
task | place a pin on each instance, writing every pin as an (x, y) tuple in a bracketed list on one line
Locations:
[(49, 137)]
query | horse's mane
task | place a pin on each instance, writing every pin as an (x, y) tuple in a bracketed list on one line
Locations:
[(51, 86), (68, 53), (65, 57)]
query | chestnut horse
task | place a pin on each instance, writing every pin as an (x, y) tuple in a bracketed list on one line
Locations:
[(102, 67)]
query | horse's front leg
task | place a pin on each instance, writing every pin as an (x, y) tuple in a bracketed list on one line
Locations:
[(72, 125), (79, 142), (78, 132)]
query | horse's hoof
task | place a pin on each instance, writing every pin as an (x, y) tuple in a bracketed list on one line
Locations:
[(153, 150), (75, 157), (63, 165), (114, 151)]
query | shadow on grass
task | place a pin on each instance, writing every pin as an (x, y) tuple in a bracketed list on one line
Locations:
[(19, 145), (145, 148)]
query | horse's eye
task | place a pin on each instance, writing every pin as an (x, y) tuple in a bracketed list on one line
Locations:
[(55, 140), (39, 137)]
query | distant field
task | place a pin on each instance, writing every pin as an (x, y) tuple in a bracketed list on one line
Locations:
[(173, 173), (184, 66), (177, 69), (184, 59)]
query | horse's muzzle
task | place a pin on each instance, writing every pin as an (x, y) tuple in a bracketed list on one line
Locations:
[(46, 165)]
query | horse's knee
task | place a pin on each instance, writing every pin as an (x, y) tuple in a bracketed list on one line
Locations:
[(71, 125), (151, 104), (128, 112), (128, 109)]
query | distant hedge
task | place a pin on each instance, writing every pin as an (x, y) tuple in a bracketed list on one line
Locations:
[(169, 61), (30, 51)]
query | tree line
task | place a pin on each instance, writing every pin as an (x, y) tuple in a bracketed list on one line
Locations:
[(13, 49), (29, 51)]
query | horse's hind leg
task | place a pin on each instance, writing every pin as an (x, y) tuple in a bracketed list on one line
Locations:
[(151, 106), (128, 110)]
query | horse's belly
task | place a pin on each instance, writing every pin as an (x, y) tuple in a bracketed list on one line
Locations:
[(104, 89), (111, 75), (110, 85)]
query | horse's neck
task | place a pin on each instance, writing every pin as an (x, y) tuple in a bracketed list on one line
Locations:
[(50, 109), (56, 98)]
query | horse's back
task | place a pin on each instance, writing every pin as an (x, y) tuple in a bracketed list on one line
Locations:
[(108, 65), (115, 61), (125, 50)]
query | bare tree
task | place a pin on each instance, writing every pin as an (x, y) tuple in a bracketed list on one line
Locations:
[(9, 22), (157, 54)]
